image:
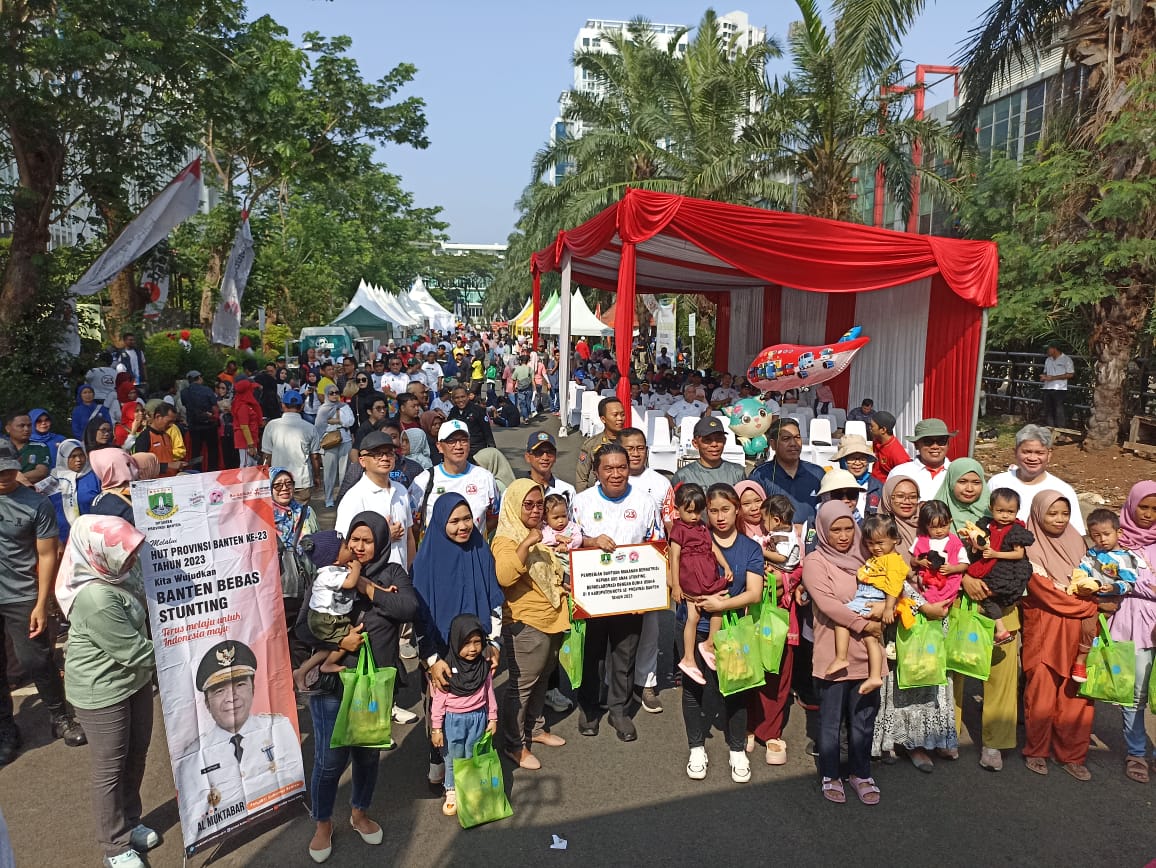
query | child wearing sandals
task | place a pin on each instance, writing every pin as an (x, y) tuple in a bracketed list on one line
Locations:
[(1002, 559), (937, 555), (696, 568)]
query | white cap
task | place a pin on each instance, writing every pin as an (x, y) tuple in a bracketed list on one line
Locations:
[(453, 426)]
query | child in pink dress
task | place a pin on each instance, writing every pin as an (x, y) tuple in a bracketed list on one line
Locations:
[(937, 555)]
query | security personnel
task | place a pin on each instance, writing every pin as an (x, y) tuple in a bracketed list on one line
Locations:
[(613, 416), (244, 762)]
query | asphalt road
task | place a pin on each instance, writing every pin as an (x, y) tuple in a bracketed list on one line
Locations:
[(632, 804)]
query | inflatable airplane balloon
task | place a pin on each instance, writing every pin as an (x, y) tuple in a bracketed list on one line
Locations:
[(790, 366)]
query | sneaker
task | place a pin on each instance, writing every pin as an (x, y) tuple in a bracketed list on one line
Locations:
[(558, 701), (127, 859), (144, 839), (889, 651), (990, 759), (65, 726), (740, 767), (403, 715), (408, 651), (650, 701), (1079, 672), (696, 765), (450, 806), (9, 745)]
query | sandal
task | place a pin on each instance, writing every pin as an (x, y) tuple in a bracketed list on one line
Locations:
[(866, 790), (1078, 770), (833, 791), (1136, 769), (776, 752), (1036, 764)]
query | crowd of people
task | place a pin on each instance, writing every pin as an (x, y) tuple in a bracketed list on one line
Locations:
[(442, 552)]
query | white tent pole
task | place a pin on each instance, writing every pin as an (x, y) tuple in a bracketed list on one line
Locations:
[(564, 347), (978, 384)]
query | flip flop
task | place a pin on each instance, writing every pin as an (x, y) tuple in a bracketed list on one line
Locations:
[(1078, 770), (866, 790), (693, 673), (833, 791), (1136, 769), (1036, 764)]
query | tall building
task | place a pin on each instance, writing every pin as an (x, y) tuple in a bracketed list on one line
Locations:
[(466, 293), (734, 25)]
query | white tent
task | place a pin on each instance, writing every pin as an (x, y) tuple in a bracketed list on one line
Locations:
[(365, 310), (439, 318), (582, 319), (389, 303)]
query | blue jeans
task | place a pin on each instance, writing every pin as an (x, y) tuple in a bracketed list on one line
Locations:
[(461, 732), (1134, 735), (524, 398), (841, 701), (329, 762)]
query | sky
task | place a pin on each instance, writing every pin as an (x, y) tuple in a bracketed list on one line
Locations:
[(491, 71)]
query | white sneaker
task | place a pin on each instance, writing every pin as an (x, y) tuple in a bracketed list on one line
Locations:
[(403, 715), (696, 765), (889, 651), (144, 839), (558, 701), (127, 859), (740, 767)]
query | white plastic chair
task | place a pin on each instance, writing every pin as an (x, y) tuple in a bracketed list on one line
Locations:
[(574, 408), (608, 393), (855, 428), (663, 453), (820, 431), (733, 450), (686, 450), (804, 415), (840, 418), (831, 423), (590, 424)]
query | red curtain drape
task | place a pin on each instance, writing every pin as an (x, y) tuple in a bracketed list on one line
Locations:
[(624, 321), (840, 317), (952, 352), (537, 304)]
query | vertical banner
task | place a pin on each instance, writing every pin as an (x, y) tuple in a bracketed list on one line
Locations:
[(154, 280), (227, 321), (213, 585), (664, 327)]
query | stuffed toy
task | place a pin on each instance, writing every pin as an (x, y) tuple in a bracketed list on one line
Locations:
[(750, 420)]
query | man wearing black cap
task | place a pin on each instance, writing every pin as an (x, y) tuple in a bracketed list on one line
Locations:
[(541, 456), (203, 416), (241, 756), (376, 492), (710, 438)]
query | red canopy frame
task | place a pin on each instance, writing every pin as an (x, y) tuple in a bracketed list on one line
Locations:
[(662, 243)]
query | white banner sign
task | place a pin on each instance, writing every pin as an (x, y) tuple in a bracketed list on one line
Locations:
[(154, 280), (227, 321), (213, 585), (664, 327), (628, 579)]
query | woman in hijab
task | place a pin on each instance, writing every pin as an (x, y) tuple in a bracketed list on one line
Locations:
[(148, 466), (431, 423), (42, 433), (86, 408), (123, 392), (830, 576), (115, 471), (377, 616), (1057, 721), (108, 674), (964, 490), (78, 486), (494, 461), (365, 396), (535, 616), (98, 434), (419, 451), (334, 417), (900, 500), (293, 521), (1136, 620), (453, 573)]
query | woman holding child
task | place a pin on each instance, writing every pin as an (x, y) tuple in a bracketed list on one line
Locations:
[(535, 616)]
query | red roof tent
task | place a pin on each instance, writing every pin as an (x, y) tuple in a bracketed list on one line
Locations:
[(662, 243)]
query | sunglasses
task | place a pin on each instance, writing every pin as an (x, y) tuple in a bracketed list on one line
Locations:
[(363, 379), (936, 441)]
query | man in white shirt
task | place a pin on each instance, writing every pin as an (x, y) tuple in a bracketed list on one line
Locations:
[(102, 379), (725, 394), (375, 492), (394, 381), (1058, 369), (688, 406), (292, 443), (425, 347), (476, 484), (612, 513), (931, 439), (541, 455), (432, 372), (132, 359), (1030, 475)]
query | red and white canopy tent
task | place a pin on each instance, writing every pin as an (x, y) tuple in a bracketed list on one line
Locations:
[(788, 278)]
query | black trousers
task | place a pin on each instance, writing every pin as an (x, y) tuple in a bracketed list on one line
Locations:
[(620, 633), (694, 713), (35, 656), (205, 441), (839, 702), (1054, 408)]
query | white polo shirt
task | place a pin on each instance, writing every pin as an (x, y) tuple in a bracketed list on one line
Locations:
[(477, 485), (928, 481), (683, 409), (1061, 364), (390, 502), (660, 491), (1010, 479), (630, 519)]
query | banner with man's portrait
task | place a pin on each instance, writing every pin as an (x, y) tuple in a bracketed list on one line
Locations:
[(213, 585)]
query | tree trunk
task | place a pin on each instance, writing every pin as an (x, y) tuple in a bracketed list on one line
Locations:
[(1117, 321), (39, 157), (209, 283), (125, 299)]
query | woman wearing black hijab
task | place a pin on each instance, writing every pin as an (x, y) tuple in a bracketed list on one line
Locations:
[(377, 616), (364, 397), (98, 434)]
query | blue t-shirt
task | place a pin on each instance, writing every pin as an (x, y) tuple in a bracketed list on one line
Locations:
[(803, 489), (742, 556)]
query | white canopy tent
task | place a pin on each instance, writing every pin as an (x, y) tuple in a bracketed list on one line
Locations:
[(389, 303), (364, 308), (419, 297), (582, 319)]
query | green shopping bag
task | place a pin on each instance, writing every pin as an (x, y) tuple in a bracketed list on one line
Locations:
[(366, 714), (736, 652), (571, 655), (1111, 669), (480, 788), (970, 638), (1152, 691), (921, 654), (771, 627)]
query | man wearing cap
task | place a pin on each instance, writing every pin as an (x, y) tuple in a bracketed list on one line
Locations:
[(613, 416), (455, 473), (291, 442), (688, 406), (931, 439), (787, 473), (467, 410), (376, 492), (854, 455), (541, 455), (203, 417), (889, 452), (239, 758), (710, 438)]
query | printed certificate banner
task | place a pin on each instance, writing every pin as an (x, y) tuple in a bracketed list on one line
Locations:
[(213, 585), (628, 579)]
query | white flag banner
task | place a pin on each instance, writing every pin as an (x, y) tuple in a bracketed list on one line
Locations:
[(173, 205), (227, 321), (154, 280)]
